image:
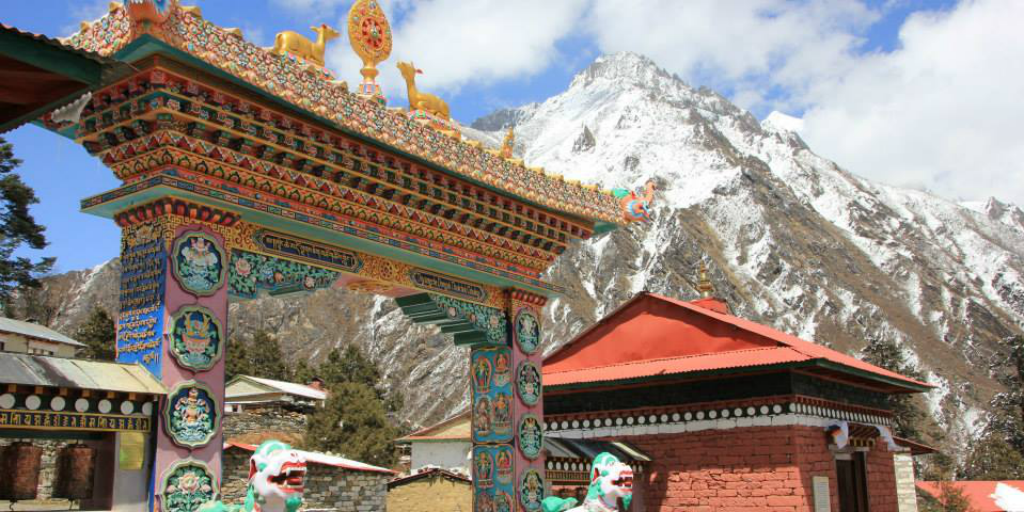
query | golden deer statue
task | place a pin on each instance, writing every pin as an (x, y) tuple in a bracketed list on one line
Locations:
[(421, 100), (300, 46)]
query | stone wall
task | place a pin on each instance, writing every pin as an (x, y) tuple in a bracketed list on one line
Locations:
[(265, 419), (327, 487), (754, 468)]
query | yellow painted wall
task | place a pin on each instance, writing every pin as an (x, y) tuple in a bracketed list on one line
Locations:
[(431, 494), (18, 343)]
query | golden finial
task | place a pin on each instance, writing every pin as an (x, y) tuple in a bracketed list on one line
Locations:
[(369, 33), (508, 144), (705, 287)]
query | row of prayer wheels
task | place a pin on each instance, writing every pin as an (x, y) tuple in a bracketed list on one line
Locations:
[(21, 464)]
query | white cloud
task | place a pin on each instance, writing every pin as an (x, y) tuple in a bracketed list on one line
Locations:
[(939, 112), (746, 46), (456, 42), (942, 112)]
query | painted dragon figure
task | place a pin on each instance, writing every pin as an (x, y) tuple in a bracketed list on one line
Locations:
[(276, 481), (611, 480), (635, 208)]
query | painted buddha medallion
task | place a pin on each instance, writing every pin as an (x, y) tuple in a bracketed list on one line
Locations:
[(531, 436), (186, 485), (527, 331), (198, 262), (192, 416), (528, 383), (483, 467), (531, 490), (196, 338)]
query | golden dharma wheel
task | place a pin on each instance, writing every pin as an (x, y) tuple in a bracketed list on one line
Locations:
[(369, 32), (19, 465), (76, 464)]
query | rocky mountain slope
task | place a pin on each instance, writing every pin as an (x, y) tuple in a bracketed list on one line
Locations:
[(790, 239)]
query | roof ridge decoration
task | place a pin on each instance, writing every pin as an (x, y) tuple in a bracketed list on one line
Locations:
[(314, 89)]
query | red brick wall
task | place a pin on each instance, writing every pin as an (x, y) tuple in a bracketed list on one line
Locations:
[(754, 468)]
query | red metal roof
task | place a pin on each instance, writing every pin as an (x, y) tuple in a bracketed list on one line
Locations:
[(985, 496), (654, 335), (322, 458), (675, 365)]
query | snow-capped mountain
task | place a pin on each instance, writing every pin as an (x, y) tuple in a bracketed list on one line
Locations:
[(790, 238)]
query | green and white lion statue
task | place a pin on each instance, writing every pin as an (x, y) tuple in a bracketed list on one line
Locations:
[(610, 480), (276, 481)]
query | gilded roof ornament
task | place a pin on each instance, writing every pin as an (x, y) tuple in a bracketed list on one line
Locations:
[(705, 287), (508, 144), (289, 42), (369, 33)]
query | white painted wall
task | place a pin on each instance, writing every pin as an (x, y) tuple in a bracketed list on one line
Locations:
[(445, 454)]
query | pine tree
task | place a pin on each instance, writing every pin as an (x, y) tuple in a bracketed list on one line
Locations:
[(17, 228), (354, 424), (267, 359), (304, 373), (236, 359), (992, 458), (1006, 416), (950, 499), (99, 335), (910, 418), (349, 366)]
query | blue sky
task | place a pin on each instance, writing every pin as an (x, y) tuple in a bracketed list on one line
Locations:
[(835, 63)]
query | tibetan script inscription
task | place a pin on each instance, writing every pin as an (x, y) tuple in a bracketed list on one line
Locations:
[(51, 420), (427, 280), (143, 282), (305, 250)]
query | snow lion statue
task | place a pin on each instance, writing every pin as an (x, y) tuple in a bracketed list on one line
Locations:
[(610, 480), (276, 474)]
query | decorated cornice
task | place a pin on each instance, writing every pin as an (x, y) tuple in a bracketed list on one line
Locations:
[(313, 89), (779, 411), (168, 206)]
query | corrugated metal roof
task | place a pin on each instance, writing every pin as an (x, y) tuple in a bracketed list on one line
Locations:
[(35, 331), (323, 458), (790, 349), (290, 388), (984, 495), (37, 370), (674, 365), (587, 449), (57, 43)]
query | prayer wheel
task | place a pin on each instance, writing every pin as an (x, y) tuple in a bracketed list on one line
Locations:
[(75, 466), (19, 466)]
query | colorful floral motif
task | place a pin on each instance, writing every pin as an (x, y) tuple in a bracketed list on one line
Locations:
[(527, 331), (196, 338), (186, 485), (192, 416), (531, 436), (531, 490), (251, 272), (528, 383), (198, 263)]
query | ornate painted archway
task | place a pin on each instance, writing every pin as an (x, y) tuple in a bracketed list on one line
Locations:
[(246, 172)]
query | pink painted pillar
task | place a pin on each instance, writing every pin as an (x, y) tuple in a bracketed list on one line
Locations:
[(508, 413), (173, 320)]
